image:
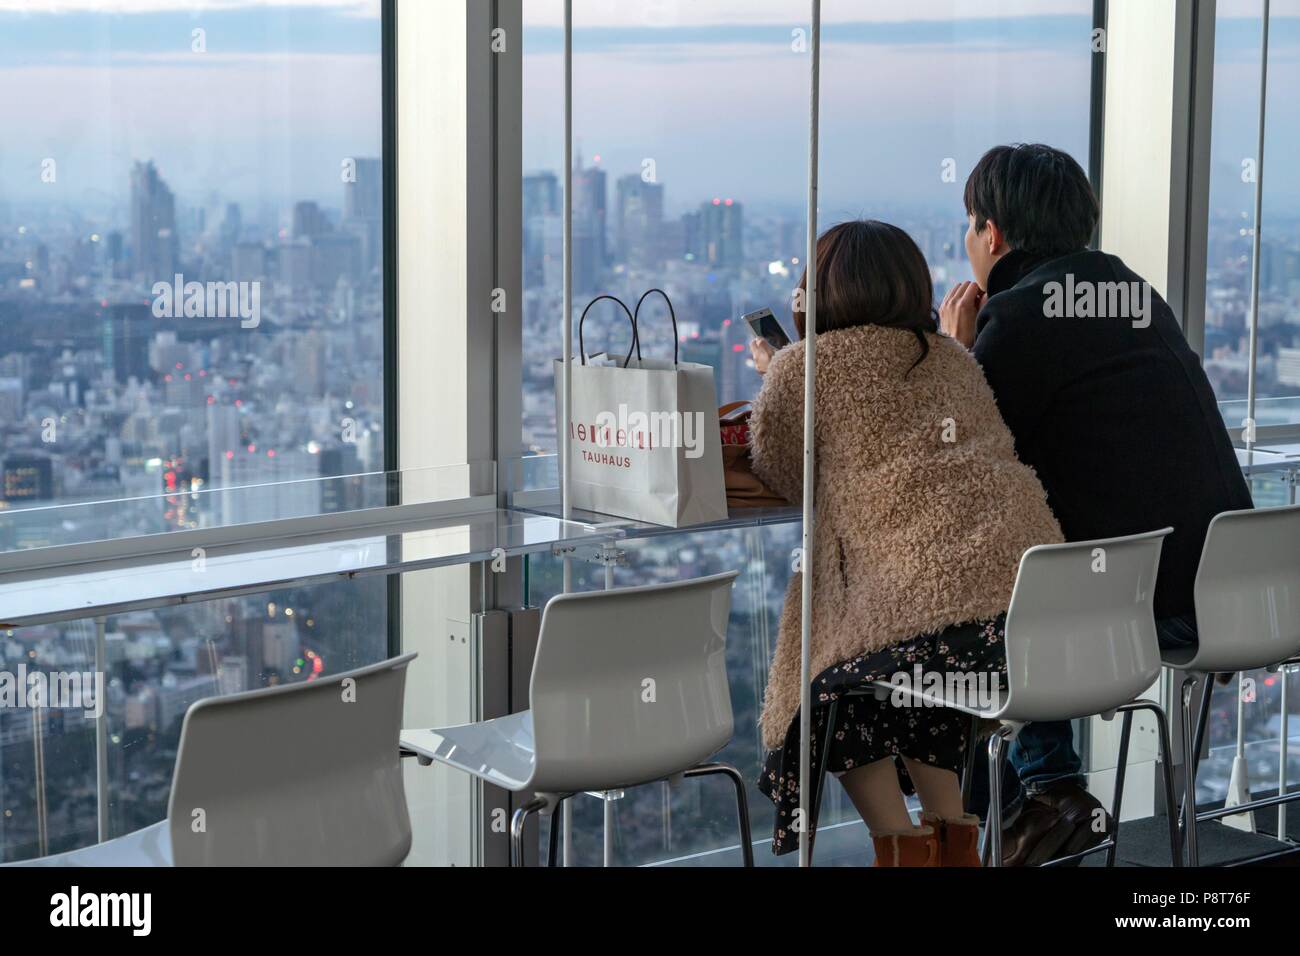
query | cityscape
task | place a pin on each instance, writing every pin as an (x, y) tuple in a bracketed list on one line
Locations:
[(723, 258), (134, 422)]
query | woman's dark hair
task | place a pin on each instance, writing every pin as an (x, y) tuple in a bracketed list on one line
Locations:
[(871, 273), (1039, 197)]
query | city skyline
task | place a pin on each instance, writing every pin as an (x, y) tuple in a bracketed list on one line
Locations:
[(321, 74)]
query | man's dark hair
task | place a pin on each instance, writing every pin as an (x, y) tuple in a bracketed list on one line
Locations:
[(1039, 197)]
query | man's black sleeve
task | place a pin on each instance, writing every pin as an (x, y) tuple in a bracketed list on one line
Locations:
[(1017, 371)]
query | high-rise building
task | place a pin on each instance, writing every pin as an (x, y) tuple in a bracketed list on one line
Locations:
[(590, 253), (541, 195), (363, 210), (364, 197), (223, 438), (638, 221), (719, 234), (166, 354), (232, 226), (1288, 366), (296, 263), (307, 364), (125, 333), (12, 396), (335, 257), (309, 221), (541, 209), (114, 254), (153, 225)]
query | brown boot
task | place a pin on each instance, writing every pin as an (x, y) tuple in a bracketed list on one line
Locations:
[(958, 839), (916, 847)]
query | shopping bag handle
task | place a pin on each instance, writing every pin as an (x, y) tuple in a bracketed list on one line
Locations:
[(730, 407), (636, 344), (636, 331)]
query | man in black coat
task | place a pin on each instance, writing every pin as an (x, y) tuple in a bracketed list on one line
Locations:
[(1106, 402)]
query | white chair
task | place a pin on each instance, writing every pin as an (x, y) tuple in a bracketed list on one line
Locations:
[(300, 775), (1247, 598), (1080, 641), (629, 686)]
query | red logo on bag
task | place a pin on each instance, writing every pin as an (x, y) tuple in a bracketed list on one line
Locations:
[(607, 437)]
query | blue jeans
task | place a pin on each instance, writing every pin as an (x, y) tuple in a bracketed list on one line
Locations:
[(1043, 753)]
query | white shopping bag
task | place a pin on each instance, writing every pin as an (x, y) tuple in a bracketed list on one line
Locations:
[(644, 440)]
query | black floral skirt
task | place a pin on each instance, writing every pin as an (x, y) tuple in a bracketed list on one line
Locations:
[(867, 730)]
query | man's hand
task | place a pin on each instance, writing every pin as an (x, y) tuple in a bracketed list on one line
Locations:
[(762, 352), (957, 314)]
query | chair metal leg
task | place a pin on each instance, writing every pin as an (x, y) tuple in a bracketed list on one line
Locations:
[(1201, 724), (1190, 753), (968, 770), (1203, 717), (742, 803), (1121, 766), (517, 821), (993, 826), (553, 850), (1167, 763), (832, 716), (1167, 773)]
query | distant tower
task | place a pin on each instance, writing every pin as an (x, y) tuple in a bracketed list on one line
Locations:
[(721, 235), (638, 221), (541, 198), (232, 226), (590, 255), (363, 210), (153, 224), (308, 221)]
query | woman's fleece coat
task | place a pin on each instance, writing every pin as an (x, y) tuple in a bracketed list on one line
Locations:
[(923, 509)]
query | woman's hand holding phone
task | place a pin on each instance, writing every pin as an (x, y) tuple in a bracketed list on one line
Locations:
[(761, 350)]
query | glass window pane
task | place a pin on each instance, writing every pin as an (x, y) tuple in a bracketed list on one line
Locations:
[(191, 299), (191, 277), (1235, 165), (691, 150)]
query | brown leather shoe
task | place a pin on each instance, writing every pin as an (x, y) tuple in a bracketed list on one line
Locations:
[(1061, 821), (958, 839), (916, 847)]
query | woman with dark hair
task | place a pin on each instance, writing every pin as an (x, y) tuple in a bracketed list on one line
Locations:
[(923, 513)]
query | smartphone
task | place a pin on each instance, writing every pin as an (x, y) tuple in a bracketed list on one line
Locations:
[(763, 325)]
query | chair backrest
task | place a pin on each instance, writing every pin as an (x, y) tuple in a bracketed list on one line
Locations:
[(630, 685), (1248, 590), (301, 775), (1080, 631)]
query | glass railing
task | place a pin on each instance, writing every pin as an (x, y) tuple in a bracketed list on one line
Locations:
[(75, 772), (1269, 412), (49, 524), (154, 664)]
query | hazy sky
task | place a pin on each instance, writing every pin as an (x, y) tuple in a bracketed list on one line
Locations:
[(709, 89)]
